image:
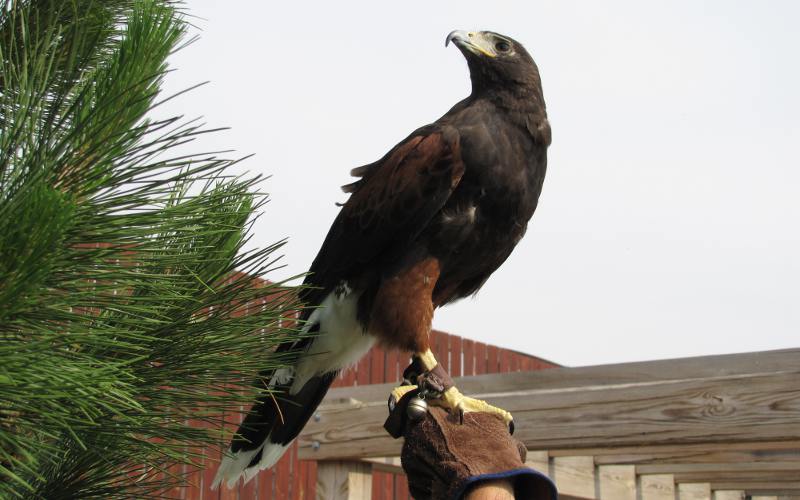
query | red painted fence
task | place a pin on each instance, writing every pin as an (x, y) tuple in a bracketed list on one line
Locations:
[(293, 479)]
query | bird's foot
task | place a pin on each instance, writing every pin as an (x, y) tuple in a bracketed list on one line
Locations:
[(437, 387), (450, 399), (453, 400)]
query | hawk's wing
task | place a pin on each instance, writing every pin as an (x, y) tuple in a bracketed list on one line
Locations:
[(390, 205)]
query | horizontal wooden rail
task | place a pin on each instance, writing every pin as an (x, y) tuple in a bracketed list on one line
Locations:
[(764, 451), (719, 400), (709, 428)]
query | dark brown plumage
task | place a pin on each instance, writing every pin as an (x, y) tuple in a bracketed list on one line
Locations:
[(425, 225)]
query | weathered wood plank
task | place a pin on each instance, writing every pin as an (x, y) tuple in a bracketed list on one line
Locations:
[(382, 485), (401, 488), (729, 495), (440, 348), (760, 487), (296, 476), (480, 358), (694, 491), (455, 356), (386, 464), (282, 477), (779, 361), (574, 476), (362, 371), (391, 368), (735, 475), (739, 408), (742, 468), (311, 482), (492, 359), (343, 481), (765, 451), (656, 487), (617, 482), (468, 352), (538, 460), (377, 371), (266, 483), (505, 361)]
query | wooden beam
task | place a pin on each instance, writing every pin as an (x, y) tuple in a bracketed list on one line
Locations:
[(574, 476), (734, 407), (758, 487), (730, 409), (616, 482), (538, 460), (386, 464), (727, 467), (764, 451), (778, 361), (729, 495), (694, 491), (656, 487), (734, 475), (344, 481)]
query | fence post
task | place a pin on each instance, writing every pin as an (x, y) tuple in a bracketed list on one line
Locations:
[(344, 480)]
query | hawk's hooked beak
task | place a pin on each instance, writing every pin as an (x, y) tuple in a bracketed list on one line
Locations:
[(472, 41)]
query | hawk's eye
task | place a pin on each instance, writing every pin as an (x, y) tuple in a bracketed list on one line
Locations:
[(502, 46)]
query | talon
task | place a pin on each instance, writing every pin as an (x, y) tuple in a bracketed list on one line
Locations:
[(454, 399)]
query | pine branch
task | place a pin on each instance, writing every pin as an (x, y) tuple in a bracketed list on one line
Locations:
[(127, 302)]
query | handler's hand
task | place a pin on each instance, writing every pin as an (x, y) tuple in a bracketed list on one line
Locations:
[(447, 458)]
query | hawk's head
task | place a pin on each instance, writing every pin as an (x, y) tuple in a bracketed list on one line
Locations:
[(495, 60)]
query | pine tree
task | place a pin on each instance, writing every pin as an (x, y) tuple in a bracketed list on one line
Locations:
[(123, 277)]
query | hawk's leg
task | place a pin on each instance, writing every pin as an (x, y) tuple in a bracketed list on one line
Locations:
[(401, 316), (451, 397)]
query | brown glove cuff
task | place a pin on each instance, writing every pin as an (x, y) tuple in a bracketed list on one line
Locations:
[(455, 456)]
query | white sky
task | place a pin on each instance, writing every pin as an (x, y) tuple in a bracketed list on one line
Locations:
[(669, 223)]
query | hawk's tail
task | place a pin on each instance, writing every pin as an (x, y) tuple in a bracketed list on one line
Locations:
[(337, 339), (270, 427)]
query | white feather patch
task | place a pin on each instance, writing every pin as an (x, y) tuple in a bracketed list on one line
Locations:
[(270, 455), (341, 341), (234, 465)]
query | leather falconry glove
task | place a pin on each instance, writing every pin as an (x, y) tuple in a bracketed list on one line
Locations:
[(446, 455)]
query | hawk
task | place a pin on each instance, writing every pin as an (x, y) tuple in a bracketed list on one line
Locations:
[(425, 225)]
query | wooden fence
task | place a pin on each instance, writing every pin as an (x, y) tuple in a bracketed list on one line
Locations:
[(707, 428), (295, 478)]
